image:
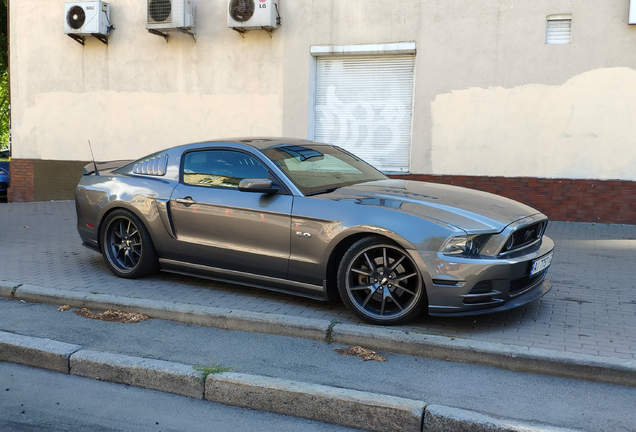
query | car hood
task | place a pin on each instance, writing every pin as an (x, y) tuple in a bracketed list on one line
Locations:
[(467, 209)]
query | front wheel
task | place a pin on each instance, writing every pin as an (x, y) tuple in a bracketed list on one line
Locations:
[(379, 282), (127, 246)]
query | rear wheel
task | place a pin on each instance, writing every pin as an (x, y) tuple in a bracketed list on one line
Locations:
[(379, 282), (127, 246)]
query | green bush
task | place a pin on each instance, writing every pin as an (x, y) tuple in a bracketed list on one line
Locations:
[(4, 110)]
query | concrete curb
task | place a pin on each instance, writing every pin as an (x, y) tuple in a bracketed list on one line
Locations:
[(316, 402), (345, 407), (6, 289), (152, 374), (535, 360), (37, 352), (182, 312), (441, 418)]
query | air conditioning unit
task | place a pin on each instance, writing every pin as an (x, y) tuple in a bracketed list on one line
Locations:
[(253, 14), (87, 18), (169, 15)]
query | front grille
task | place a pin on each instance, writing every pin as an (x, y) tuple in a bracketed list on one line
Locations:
[(519, 285), (525, 236)]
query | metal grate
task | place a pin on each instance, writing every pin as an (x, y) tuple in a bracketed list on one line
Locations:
[(242, 10), (76, 17), (159, 11)]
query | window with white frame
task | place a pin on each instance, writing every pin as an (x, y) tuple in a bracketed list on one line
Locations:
[(558, 29), (363, 101)]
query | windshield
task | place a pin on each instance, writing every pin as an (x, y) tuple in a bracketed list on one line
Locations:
[(321, 168)]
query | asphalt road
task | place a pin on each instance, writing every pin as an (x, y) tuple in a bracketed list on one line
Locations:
[(35, 400), (529, 398)]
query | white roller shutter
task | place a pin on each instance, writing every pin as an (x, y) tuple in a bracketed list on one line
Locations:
[(364, 105)]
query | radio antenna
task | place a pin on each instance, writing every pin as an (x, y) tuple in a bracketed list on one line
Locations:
[(94, 163)]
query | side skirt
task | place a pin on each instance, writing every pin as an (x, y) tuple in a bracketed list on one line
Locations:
[(91, 245), (314, 292)]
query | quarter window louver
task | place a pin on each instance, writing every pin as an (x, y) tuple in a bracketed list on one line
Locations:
[(558, 29), (155, 166), (364, 104)]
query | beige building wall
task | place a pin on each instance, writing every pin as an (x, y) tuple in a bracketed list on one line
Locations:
[(491, 98), (137, 94)]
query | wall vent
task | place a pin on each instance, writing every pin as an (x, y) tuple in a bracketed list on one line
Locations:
[(558, 29)]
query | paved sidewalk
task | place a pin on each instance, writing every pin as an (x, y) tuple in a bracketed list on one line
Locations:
[(591, 308)]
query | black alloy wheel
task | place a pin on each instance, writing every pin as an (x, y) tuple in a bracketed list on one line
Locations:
[(379, 282), (127, 246)]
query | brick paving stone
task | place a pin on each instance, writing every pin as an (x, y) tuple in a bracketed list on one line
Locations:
[(592, 302), (548, 346), (585, 351)]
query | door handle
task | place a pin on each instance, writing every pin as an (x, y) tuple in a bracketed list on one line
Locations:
[(186, 201)]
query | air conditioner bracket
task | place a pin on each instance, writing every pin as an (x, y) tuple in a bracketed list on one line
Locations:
[(159, 33), (240, 31), (100, 37), (77, 38), (268, 30), (187, 31)]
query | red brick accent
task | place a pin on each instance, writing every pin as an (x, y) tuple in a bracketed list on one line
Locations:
[(612, 201), (22, 181)]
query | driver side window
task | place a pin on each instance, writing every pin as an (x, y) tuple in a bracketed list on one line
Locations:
[(220, 168)]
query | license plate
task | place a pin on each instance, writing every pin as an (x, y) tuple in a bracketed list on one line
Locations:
[(541, 264)]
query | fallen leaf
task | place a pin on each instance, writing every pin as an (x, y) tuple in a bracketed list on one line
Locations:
[(113, 316), (364, 353), (63, 308)]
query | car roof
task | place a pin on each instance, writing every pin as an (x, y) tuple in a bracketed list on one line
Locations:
[(259, 143)]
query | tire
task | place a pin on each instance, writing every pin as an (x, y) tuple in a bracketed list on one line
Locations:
[(126, 246), (379, 282)]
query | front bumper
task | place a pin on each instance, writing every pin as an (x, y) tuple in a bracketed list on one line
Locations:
[(472, 286)]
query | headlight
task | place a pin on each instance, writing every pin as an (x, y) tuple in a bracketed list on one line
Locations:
[(3, 172), (469, 245)]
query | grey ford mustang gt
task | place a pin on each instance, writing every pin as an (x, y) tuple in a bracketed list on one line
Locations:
[(314, 220)]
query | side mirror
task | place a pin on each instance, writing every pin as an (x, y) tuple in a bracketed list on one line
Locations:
[(258, 185)]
